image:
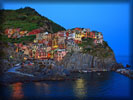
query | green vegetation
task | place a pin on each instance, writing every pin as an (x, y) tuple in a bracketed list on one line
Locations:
[(86, 42), (105, 44), (56, 27), (26, 19), (99, 50), (24, 39), (20, 24)]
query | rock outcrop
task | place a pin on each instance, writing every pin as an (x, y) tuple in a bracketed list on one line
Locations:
[(77, 61)]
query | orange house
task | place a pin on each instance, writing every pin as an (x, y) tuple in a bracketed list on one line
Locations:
[(91, 34)]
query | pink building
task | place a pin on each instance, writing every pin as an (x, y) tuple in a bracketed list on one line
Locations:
[(59, 55)]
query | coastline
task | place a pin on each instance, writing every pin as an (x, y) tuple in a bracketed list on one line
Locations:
[(128, 74), (14, 78)]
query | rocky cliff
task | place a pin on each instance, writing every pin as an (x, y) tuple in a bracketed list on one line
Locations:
[(77, 61), (92, 57)]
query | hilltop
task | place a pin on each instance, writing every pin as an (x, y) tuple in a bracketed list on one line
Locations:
[(27, 19)]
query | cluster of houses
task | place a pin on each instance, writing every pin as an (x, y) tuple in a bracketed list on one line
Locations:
[(15, 33), (52, 46)]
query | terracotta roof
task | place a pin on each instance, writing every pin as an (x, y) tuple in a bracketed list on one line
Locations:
[(33, 32)]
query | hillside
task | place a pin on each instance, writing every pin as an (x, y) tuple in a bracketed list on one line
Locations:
[(77, 48), (27, 19)]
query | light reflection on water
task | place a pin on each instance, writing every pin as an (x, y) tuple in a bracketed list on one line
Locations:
[(42, 87), (17, 92), (79, 88), (88, 85)]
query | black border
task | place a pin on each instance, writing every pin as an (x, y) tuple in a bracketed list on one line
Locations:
[(84, 1)]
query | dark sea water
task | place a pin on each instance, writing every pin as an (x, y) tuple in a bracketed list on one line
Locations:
[(123, 60), (107, 85)]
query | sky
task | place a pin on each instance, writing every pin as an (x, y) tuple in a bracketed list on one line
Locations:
[(112, 19)]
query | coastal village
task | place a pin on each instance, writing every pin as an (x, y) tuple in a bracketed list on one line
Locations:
[(54, 46), (51, 48), (46, 54), (34, 48)]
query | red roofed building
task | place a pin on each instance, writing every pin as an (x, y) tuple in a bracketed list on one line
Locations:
[(67, 34), (50, 43), (91, 34), (77, 29), (6, 31), (61, 35), (34, 32)]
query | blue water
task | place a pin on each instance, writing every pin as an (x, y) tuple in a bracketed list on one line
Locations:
[(91, 85), (123, 60)]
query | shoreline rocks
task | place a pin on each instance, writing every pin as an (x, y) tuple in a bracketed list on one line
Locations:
[(125, 72), (10, 78), (119, 68), (116, 66)]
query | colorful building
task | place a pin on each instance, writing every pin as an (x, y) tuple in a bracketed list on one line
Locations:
[(59, 54)]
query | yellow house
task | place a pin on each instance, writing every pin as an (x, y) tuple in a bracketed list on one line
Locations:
[(79, 36), (23, 32), (35, 41), (52, 54), (54, 43)]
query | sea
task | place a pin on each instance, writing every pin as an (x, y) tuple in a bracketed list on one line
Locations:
[(88, 86), (124, 60)]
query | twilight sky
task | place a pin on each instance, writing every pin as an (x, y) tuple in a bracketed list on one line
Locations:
[(112, 19)]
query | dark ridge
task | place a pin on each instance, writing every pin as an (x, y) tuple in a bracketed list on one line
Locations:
[(27, 19)]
